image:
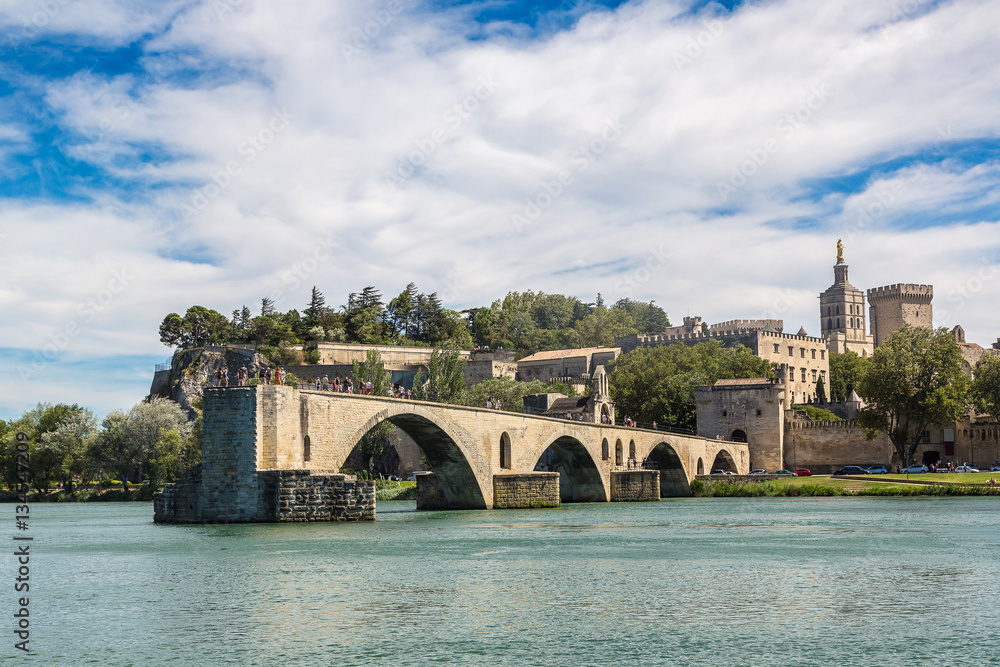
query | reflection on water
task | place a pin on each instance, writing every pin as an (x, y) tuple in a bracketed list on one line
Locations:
[(686, 582)]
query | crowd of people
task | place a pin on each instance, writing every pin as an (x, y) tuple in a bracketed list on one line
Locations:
[(267, 376)]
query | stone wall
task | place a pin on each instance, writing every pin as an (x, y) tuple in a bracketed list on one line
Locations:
[(635, 485), (823, 447), (298, 495), (180, 502), (229, 454), (525, 489), (430, 495), (757, 411)]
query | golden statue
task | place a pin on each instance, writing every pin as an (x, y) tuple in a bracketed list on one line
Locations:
[(840, 252)]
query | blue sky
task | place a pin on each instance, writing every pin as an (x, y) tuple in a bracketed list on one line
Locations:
[(704, 155)]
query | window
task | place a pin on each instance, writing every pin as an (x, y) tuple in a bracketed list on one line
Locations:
[(822, 354), (838, 322), (605, 455), (803, 375), (758, 412), (814, 375), (802, 352), (829, 324), (775, 348), (791, 351), (307, 449), (814, 354), (723, 413)]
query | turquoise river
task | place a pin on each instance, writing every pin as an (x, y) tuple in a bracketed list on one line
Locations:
[(779, 581)]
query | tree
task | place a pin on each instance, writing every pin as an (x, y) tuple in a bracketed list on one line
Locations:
[(657, 383), (205, 325), (266, 307), (445, 379), (820, 391), (316, 309), (174, 331), (66, 446), (915, 380), (373, 370), (509, 392), (130, 441), (846, 370), (603, 325), (986, 385)]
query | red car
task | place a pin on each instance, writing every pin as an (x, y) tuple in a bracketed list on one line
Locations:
[(803, 472)]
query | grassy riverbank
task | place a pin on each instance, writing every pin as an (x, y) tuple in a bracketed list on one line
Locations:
[(389, 490), (831, 486), (138, 492)]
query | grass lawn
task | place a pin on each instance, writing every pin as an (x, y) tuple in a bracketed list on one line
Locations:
[(950, 477), (833, 482)]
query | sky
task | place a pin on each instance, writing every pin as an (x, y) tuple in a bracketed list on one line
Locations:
[(157, 155)]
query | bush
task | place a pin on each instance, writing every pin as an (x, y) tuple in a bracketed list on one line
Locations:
[(312, 356)]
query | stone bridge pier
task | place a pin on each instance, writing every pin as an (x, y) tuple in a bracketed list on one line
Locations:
[(476, 454)]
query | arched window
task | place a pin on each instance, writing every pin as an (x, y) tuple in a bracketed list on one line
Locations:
[(829, 323), (505, 457), (701, 467), (618, 452), (306, 449), (605, 454), (631, 450)]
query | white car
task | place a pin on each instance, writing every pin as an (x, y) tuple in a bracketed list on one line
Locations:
[(914, 469), (966, 469), (759, 471), (413, 476)]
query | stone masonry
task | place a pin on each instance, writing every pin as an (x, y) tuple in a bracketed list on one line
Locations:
[(635, 485), (514, 490)]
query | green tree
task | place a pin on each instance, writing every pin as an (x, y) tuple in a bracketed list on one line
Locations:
[(846, 370), (316, 309), (820, 390), (915, 380), (130, 441), (66, 446), (657, 383), (509, 392), (603, 325), (375, 440), (174, 331), (986, 385), (445, 380)]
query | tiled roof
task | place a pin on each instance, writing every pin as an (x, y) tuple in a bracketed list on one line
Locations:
[(742, 382), (561, 406), (568, 354)]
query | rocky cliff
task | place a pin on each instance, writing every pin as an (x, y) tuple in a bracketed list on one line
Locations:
[(193, 369)]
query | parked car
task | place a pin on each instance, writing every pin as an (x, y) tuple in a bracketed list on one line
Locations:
[(942, 469), (850, 470), (966, 468), (784, 473), (915, 469), (413, 475), (876, 470), (803, 472), (758, 471), (995, 468)]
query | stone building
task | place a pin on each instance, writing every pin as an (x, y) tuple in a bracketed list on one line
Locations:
[(893, 306), (842, 316), (753, 411), (749, 411), (802, 359), (575, 367), (488, 365), (597, 408)]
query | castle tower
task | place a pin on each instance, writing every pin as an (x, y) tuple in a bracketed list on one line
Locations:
[(893, 306), (842, 313)]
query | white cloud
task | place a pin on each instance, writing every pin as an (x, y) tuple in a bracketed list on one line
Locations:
[(824, 90)]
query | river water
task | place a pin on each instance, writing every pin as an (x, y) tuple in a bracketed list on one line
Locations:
[(778, 581)]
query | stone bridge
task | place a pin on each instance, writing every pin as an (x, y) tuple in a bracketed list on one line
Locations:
[(248, 430)]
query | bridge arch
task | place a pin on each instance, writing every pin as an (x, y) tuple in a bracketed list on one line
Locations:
[(448, 461), (579, 478), (505, 453), (725, 461), (673, 476)]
